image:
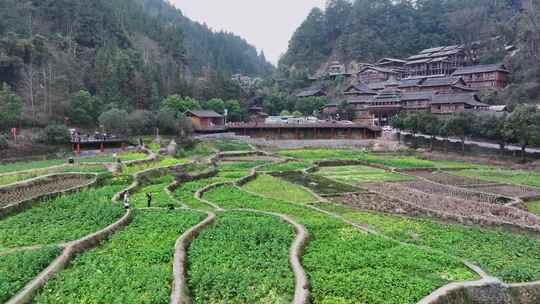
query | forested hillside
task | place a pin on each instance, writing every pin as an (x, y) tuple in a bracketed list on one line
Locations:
[(368, 30), (128, 54)]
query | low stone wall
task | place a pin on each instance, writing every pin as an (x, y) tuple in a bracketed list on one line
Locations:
[(488, 291), (27, 293)]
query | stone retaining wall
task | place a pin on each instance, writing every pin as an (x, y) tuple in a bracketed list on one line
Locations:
[(488, 291), (15, 207)]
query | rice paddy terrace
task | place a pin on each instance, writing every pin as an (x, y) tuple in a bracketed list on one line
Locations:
[(237, 225)]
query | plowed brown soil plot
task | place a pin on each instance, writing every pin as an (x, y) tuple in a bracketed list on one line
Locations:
[(10, 195), (455, 192), (454, 206), (376, 202)]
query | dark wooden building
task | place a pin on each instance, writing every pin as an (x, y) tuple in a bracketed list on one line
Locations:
[(206, 120), (311, 92), (439, 61), (492, 76), (448, 104), (330, 130), (374, 74)]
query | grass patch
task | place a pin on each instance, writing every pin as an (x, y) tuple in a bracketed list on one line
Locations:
[(277, 188), (345, 265), (520, 177), (511, 257), (29, 165), (134, 266), (534, 207), (361, 174), (243, 258), (17, 269), (387, 160), (230, 145)]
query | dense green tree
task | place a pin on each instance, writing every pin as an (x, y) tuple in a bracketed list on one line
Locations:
[(84, 109), (115, 121), (311, 105), (461, 126), (55, 135), (141, 122), (179, 104), (523, 127), (235, 111), (215, 104)]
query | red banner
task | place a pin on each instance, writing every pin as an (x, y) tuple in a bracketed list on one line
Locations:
[(14, 132)]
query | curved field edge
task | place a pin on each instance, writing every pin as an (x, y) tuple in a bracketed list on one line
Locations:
[(64, 218), (512, 257), (345, 265), (136, 262), (19, 268), (256, 244)]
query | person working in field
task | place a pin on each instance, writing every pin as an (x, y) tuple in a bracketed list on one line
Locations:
[(149, 199), (126, 200)]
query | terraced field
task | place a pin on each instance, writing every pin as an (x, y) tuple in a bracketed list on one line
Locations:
[(281, 235)]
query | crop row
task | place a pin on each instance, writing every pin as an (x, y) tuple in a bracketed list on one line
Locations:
[(388, 160), (19, 268), (242, 258), (63, 218), (134, 266), (345, 265), (510, 256), (277, 188), (361, 174)]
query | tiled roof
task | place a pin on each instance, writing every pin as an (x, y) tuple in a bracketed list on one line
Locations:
[(416, 96), (441, 81), (205, 113), (481, 69), (466, 98), (311, 92), (361, 89)]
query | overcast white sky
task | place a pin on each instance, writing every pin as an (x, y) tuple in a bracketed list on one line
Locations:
[(266, 24)]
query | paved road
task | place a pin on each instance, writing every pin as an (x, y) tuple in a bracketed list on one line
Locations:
[(482, 144)]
